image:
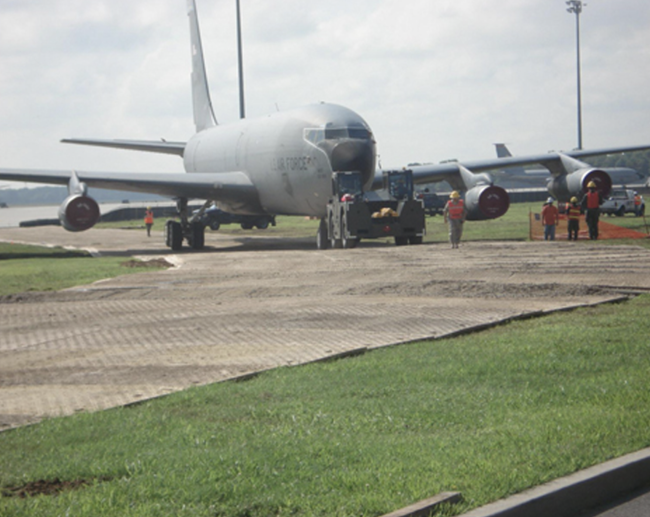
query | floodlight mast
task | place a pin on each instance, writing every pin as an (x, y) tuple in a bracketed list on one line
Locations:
[(575, 7), (242, 110)]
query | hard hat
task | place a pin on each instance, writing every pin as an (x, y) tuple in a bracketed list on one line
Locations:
[(591, 184), (454, 195), (148, 208), (574, 199), (550, 200)]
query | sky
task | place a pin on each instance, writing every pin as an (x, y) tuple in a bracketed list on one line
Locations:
[(435, 80)]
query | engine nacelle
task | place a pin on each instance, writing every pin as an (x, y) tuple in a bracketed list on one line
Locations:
[(486, 202), (78, 213), (564, 187)]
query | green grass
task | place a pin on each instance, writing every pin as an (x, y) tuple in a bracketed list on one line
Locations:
[(512, 226), (44, 275), (33, 268), (488, 414)]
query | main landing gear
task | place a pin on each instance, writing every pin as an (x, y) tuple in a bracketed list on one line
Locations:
[(187, 229)]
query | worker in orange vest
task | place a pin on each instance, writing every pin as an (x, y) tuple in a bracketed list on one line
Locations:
[(638, 202), (590, 204), (573, 215), (454, 214), (550, 218), (148, 220)]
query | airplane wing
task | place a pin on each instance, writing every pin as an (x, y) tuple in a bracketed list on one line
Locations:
[(232, 188), (456, 173), (161, 146)]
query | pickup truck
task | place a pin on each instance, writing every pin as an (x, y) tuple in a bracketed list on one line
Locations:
[(620, 202), (433, 203), (214, 218)]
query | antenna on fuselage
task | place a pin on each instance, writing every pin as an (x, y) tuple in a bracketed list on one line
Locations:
[(242, 110)]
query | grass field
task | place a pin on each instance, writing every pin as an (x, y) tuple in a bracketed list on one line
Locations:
[(487, 414), (33, 268), (512, 226)]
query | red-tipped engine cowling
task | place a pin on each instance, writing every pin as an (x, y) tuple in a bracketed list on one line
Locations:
[(78, 213), (564, 188), (486, 202)]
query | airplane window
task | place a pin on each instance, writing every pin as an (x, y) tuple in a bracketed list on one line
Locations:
[(317, 135), (347, 132), (314, 135), (333, 134), (359, 132)]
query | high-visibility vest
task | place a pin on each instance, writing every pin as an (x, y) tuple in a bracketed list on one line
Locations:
[(637, 200), (593, 199), (456, 209), (573, 212), (148, 217)]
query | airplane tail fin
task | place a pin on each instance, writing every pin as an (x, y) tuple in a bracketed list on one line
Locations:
[(203, 113), (502, 151)]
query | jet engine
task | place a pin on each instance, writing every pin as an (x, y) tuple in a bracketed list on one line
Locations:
[(486, 202), (565, 186), (78, 213)]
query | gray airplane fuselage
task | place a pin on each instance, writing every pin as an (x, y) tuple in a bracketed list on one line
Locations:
[(289, 156)]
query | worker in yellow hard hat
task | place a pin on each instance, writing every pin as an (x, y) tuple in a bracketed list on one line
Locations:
[(590, 204), (573, 216), (454, 214)]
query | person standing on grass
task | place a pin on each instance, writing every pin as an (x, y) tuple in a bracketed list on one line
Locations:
[(454, 214), (148, 220), (550, 218), (573, 215)]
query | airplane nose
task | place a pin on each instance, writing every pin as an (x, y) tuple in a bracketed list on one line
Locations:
[(354, 155)]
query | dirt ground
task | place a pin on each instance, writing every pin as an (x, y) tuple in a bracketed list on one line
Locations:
[(249, 304)]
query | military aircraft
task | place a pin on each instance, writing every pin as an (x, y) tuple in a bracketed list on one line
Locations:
[(526, 178), (282, 164)]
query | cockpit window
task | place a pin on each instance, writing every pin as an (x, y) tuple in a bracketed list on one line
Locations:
[(318, 135), (359, 132), (314, 135)]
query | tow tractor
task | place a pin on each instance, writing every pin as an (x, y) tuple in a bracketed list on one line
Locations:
[(351, 218)]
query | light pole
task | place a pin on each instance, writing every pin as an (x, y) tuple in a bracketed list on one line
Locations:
[(240, 59), (575, 6)]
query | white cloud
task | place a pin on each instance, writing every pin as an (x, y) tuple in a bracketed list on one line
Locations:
[(435, 80)]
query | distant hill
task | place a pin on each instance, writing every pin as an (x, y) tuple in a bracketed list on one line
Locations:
[(56, 195)]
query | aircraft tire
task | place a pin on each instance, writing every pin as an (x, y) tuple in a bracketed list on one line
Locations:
[(262, 224), (346, 242), (168, 238), (174, 235), (322, 240), (215, 225), (197, 231)]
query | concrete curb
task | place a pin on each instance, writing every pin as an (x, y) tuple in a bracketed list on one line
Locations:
[(577, 493)]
